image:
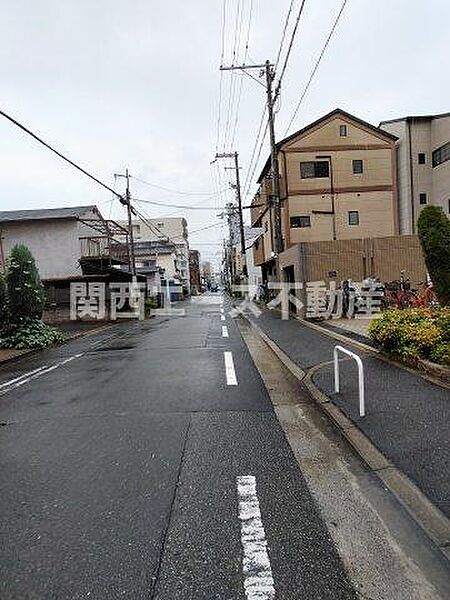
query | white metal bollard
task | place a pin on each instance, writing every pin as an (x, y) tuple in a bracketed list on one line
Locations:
[(362, 409)]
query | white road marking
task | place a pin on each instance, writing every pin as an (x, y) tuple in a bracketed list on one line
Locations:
[(229, 369), (258, 580), (11, 381), (15, 383), (224, 331), (222, 317), (221, 310)]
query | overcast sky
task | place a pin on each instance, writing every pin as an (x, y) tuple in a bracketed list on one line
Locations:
[(136, 83)]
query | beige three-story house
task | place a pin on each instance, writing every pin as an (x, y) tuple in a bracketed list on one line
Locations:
[(339, 203)]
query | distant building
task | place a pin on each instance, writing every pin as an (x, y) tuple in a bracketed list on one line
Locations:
[(206, 273), (194, 271), (254, 272), (423, 162), (173, 232)]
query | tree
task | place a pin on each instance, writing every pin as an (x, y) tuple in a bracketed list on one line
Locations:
[(25, 290), (434, 233), (3, 300)]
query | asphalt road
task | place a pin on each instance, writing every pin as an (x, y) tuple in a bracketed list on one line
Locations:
[(142, 463)]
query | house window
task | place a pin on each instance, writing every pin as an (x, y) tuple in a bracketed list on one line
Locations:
[(421, 158), (441, 154), (343, 130), (312, 169), (303, 221), (353, 217), (422, 198), (358, 167)]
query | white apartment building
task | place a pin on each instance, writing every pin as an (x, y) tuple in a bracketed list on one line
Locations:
[(423, 165), (174, 232)]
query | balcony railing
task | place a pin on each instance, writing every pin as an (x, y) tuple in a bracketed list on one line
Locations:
[(96, 247)]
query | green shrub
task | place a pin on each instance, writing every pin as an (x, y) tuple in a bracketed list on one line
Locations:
[(441, 354), (24, 287), (3, 301), (434, 232), (150, 304), (30, 333), (413, 333)]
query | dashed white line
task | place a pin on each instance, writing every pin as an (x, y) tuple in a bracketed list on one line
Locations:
[(224, 331), (229, 369), (258, 580), (222, 310), (222, 317)]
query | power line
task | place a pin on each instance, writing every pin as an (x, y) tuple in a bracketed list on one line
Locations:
[(218, 224), (255, 164), (222, 51), (173, 191), (316, 66), (241, 82), (181, 206), (49, 147), (255, 145), (286, 58), (283, 35)]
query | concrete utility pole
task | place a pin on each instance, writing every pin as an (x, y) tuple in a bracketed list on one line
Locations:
[(274, 202), (127, 202), (274, 173), (235, 156)]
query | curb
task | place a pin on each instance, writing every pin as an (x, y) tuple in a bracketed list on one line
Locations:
[(429, 518)]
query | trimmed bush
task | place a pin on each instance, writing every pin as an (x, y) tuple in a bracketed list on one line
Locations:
[(434, 232), (25, 290), (414, 333)]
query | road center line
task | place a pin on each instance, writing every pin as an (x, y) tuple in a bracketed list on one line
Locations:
[(258, 580), (229, 369), (224, 331), (221, 310), (222, 317)]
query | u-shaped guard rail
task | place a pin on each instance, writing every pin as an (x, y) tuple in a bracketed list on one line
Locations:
[(362, 410)]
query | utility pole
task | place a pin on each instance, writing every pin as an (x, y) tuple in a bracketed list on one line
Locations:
[(235, 156), (274, 203), (127, 202), (274, 173)]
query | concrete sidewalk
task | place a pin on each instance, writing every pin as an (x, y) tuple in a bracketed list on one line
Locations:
[(407, 417)]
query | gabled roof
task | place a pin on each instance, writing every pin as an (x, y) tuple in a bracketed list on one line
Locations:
[(334, 113), (39, 214)]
